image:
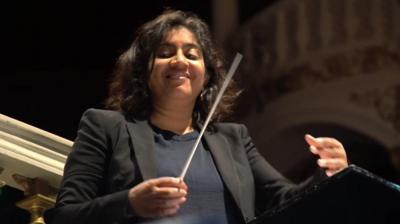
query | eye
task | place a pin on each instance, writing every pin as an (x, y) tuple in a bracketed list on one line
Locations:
[(164, 52), (193, 54)]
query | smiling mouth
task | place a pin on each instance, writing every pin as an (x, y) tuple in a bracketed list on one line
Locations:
[(177, 75)]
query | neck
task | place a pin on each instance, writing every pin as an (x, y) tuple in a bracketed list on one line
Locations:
[(173, 117)]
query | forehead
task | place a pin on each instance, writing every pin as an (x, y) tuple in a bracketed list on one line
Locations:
[(180, 34)]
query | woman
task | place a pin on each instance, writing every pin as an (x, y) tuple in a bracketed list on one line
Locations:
[(125, 161)]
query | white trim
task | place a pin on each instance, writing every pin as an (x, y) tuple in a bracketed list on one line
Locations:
[(31, 152)]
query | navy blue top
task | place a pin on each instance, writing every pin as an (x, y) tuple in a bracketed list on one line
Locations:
[(207, 195)]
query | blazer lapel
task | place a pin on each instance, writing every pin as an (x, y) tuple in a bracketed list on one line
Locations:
[(143, 147), (224, 161)]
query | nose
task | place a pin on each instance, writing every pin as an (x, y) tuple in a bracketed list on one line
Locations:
[(179, 61)]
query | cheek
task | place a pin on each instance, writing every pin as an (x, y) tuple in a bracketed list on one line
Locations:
[(200, 72), (155, 73), (151, 80)]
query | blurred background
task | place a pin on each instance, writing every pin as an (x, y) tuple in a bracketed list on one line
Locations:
[(324, 67)]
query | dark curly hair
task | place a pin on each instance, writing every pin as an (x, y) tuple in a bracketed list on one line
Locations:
[(129, 91)]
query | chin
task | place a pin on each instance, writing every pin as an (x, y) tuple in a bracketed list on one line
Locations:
[(184, 93)]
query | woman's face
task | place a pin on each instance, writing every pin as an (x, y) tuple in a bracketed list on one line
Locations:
[(178, 71)]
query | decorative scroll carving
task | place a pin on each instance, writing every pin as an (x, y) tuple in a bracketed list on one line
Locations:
[(338, 66), (34, 186), (349, 24), (337, 39), (386, 102)]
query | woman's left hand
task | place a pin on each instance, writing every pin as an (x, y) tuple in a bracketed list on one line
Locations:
[(332, 154)]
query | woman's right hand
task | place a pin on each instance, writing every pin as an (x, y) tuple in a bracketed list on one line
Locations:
[(158, 197)]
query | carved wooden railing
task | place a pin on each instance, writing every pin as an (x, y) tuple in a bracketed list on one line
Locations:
[(32, 160)]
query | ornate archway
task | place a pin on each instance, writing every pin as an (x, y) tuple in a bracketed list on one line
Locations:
[(321, 62)]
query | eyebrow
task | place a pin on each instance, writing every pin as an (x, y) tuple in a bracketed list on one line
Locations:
[(188, 45)]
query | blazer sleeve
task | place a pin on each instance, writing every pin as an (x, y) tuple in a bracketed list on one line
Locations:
[(272, 189), (82, 197)]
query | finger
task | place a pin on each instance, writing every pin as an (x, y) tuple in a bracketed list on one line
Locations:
[(323, 141), (170, 182), (166, 181), (329, 142), (332, 164), (314, 150), (168, 192), (330, 173), (173, 184), (170, 203), (312, 141), (167, 211), (325, 153), (184, 185)]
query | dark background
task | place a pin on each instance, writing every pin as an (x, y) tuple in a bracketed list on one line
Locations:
[(64, 53)]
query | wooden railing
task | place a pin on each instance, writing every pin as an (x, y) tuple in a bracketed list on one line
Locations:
[(32, 160)]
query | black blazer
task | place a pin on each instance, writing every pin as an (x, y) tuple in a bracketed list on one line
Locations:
[(111, 154)]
